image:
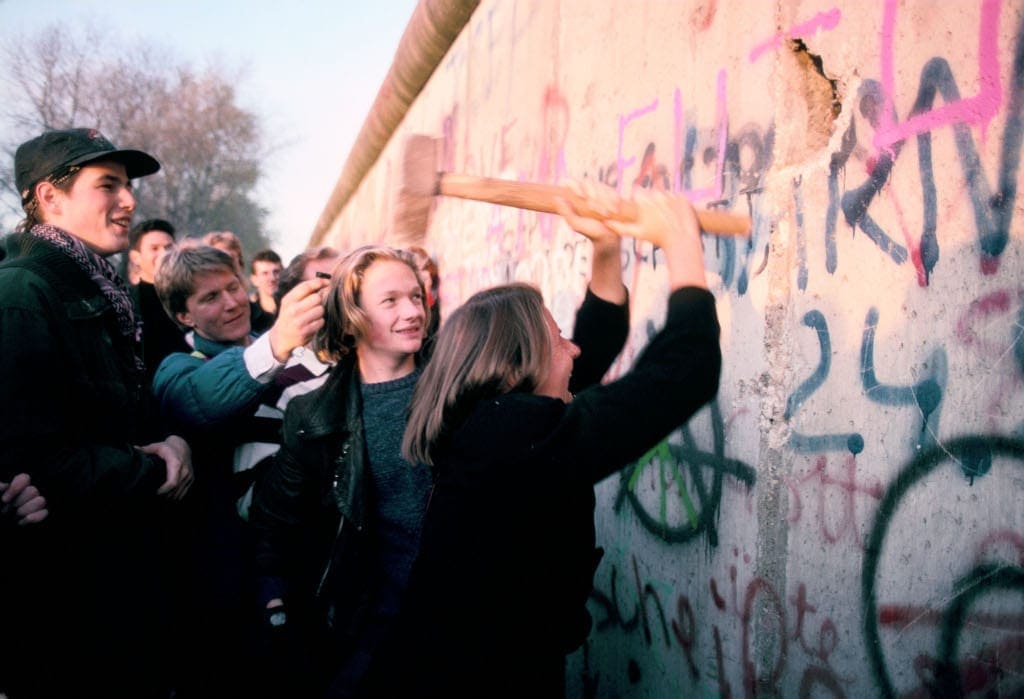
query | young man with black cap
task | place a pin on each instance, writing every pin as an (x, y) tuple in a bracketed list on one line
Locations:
[(83, 602)]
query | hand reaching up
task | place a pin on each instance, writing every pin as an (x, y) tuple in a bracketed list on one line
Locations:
[(662, 218), (594, 204), (599, 202), (301, 315), (668, 221)]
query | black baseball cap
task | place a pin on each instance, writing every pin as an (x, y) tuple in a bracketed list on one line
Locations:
[(55, 151)]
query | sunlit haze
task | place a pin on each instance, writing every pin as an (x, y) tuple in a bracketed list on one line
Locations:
[(310, 69)]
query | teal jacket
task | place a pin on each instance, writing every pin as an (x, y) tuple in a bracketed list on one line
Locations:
[(207, 387)]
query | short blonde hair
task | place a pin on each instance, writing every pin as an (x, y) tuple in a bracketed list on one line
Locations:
[(497, 342), (345, 321), (175, 278)]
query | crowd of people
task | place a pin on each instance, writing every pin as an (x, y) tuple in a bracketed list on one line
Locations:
[(303, 481)]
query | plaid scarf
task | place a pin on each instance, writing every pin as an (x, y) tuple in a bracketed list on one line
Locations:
[(106, 278)]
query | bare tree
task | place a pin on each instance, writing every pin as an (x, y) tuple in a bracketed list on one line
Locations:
[(210, 147)]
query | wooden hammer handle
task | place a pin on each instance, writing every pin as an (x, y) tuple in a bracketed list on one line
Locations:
[(541, 197)]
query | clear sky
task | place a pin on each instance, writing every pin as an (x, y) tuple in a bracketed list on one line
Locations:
[(312, 71)]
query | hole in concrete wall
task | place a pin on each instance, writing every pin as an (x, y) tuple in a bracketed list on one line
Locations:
[(801, 48), (820, 93)]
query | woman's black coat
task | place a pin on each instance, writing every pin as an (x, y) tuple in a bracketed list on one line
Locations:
[(497, 596)]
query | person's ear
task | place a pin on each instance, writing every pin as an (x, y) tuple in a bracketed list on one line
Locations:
[(185, 318), (134, 256), (50, 198)]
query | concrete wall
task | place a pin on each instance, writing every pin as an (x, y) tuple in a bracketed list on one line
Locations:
[(847, 518)]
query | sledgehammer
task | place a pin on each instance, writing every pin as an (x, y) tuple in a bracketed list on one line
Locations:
[(421, 181)]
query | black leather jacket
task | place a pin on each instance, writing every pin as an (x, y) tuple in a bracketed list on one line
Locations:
[(310, 510)]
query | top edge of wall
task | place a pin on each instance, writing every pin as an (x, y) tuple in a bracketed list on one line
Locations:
[(432, 29)]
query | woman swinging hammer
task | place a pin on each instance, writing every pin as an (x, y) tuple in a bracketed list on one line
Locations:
[(496, 598)]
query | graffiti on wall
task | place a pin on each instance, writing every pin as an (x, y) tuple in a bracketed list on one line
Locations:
[(835, 494), (685, 481), (950, 666), (892, 419), (805, 638)]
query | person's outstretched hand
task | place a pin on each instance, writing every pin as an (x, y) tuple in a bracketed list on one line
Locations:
[(301, 315)]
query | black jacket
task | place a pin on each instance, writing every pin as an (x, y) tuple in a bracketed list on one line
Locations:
[(309, 510), (160, 335), (497, 596), (72, 405)]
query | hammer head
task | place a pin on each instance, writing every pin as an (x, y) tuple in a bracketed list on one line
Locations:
[(418, 185)]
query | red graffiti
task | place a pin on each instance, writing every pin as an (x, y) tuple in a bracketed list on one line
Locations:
[(992, 543), (448, 140), (554, 132), (828, 639), (684, 628), (724, 690), (754, 684), (975, 328), (703, 15), (652, 175), (645, 594), (849, 489), (993, 671), (979, 313), (760, 594), (902, 616), (771, 617), (551, 164)]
